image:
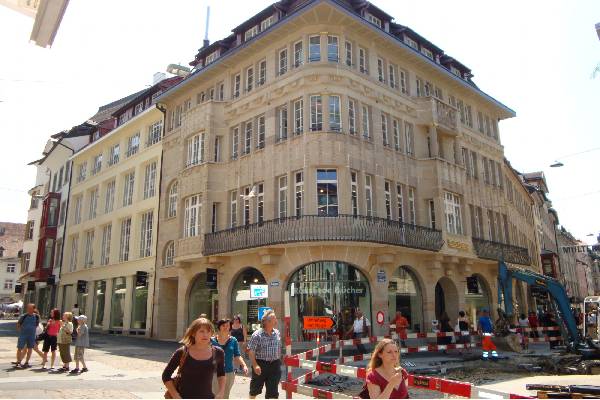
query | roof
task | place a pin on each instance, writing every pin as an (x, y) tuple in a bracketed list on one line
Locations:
[(105, 112), (12, 238), (130, 101)]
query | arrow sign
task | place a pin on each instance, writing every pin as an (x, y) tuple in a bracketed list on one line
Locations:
[(318, 323)]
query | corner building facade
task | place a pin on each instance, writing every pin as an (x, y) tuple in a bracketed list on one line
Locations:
[(344, 161)]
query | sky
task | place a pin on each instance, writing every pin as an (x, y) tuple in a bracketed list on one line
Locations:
[(537, 57)]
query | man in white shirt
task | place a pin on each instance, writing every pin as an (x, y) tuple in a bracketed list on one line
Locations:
[(361, 327)]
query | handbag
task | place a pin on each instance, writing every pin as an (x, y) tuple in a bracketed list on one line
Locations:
[(177, 379), (40, 332)]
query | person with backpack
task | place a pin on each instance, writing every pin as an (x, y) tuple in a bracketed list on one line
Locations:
[(386, 379), (196, 362), (50, 337), (26, 326)]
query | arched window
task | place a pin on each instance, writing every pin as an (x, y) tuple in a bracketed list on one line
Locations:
[(404, 295), (172, 204), (169, 253)]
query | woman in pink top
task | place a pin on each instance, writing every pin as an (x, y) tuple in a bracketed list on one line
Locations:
[(52, 328), (385, 378)]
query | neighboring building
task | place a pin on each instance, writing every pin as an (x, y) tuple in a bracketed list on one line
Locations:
[(11, 244), (344, 161), (570, 271), (47, 16), (110, 247)]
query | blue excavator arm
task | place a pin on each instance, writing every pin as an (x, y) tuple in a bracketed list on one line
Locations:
[(550, 285)]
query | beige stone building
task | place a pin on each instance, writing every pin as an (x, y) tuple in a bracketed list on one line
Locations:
[(341, 160)]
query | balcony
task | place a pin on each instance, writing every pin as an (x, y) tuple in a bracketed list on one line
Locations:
[(443, 116), (501, 252), (313, 228)]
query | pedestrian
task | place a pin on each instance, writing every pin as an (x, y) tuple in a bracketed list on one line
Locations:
[(64, 340), (401, 325), (463, 330), (533, 325), (26, 326), (486, 331), (386, 379), (239, 332), (264, 350), (524, 325), (82, 341), (361, 327), (39, 334), (52, 328), (229, 345), (196, 362), (445, 328), (75, 311)]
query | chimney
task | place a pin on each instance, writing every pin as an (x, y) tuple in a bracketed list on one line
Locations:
[(205, 43), (157, 77)]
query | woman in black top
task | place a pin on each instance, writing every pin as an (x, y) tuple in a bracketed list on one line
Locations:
[(201, 361), (238, 331)]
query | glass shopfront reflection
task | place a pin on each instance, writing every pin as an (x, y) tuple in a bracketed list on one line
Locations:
[(202, 300), (404, 295), (328, 288), (117, 310), (99, 298)]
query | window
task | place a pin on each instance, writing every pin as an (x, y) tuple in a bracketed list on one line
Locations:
[(26, 260), (74, 248), (55, 182), (93, 203), (455, 71), (146, 234), (299, 193), (488, 131), (62, 213), (283, 192), (314, 49), (282, 123), (235, 142), (260, 133), (77, 211), (352, 116), (468, 116), (298, 116), (438, 93), (369, 195), (384, 129), (67, 172), (128, 188), (388, 200), (354, 192), (193, 207), (217, 149), (82, 172), (410, 42), (154, 133), (380, 70), (412, 212), (250, 33), (105, 250), (133, 144), (113, 157), (124, 242), (473, 165), (237, 80), (211, 57), (109, 199), (172, 202), (34, 200), (373, 19), (403, 82), (233, 209), (150, 180), (333, 49), (392, 74), (221, 87), (476, 221), (316, 113), (177, 116), (11, 268), (8, 284), (396, 128), (298, 54), (138, 108), (170, 254), (266, 23), (89, 249), (365, 122), (495, 129), (348, 47), (249, 79), (60, 176), (327, 194), (248, 137), (428, 89), (419, 87), (486, 170), (195, 150), (453, 213), (246, 210), (283, 62), (262, 73), (409, 138), (335, 119), (260, 203), (362, 61), (431, 207), (53, 212), (427, 53)]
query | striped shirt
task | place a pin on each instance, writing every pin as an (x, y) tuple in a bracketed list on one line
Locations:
[(266, 347)]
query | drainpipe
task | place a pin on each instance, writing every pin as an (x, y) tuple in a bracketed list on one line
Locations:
[(163, 110)]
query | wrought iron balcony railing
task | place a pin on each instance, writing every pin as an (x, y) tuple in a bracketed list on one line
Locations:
[(501, 252), (313, 228)]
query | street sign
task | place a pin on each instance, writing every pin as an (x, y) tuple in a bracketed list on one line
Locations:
[(380, 317), (318, 323), (274, 283), (262, 311), (381, 278), (259, 291)]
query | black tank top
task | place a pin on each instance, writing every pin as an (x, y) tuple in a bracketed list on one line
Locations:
[(238, 333)]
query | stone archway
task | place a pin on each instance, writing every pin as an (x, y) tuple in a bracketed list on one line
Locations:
[(477, 298), (446, 298), (241, 302), (406, 294)]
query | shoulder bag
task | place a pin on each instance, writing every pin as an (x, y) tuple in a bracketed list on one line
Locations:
[(177, 379)]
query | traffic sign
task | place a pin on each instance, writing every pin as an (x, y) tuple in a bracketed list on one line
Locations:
[(262, 311), (318, 323)]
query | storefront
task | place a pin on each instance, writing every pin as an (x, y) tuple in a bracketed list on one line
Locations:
[(117, 307), (328, 288), (139, 305), (99, 299), (477, 298), (242, 303), (203, 299), (405, 295)]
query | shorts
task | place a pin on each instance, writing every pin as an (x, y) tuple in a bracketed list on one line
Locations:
[(269, 377), (79, 351), (49, 344), (26, 340)]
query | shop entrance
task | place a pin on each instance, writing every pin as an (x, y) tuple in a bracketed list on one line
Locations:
[(446, 299), (477, 298), (328, 288), (405, 295), (202, 300), (242, 303)]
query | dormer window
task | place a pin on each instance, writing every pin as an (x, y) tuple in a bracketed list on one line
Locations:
[(266, 23), (455, 71), (427, 53), (373, 19), (139, 108), (250, 33), (212, 57), (410, 42)]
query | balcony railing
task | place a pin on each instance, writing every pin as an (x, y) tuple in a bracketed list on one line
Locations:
[(313, 228), (501, 252)]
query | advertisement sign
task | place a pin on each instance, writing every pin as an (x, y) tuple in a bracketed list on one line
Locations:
[(259, 291), (318, 323)]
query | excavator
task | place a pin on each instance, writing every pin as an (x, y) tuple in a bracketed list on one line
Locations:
[(584, 345)]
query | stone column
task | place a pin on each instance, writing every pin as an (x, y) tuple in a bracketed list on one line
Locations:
[(128, 305), (107, 304)]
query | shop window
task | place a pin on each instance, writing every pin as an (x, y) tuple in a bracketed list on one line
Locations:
[(117, 307), (242, 304), (405, 295), (202, 300)]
